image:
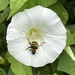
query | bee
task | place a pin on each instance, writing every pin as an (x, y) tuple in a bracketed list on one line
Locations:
[(33, 46)]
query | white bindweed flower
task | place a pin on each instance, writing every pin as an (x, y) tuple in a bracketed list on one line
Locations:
[(41, 25)]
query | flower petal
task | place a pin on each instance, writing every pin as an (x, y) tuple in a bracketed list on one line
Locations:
[(34, 15), (27, 58), (21, 22), (16, 42), (36, 60), (51, 23)]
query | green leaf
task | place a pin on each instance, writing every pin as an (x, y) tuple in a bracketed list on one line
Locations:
[(54, 65), (4, 14), (46, 3), (2, 60), (71, 27), (74, 10), (3, 46), (15, 5), (2, 30), (46, 70), (28, 4), (2, 72), (32, 3), (70, 38), (34, 70), (64, 2), (3, 4), (10, 72), (66, 64), (17, 67), (61, 11), (70, 8), (38, 73), (55, 74)]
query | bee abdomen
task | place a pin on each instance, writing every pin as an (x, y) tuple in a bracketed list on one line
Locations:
[(33, 52), (34, 47)]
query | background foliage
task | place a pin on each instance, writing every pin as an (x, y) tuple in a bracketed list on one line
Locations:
[(64, 65)]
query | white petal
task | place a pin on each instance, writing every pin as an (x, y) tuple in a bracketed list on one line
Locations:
[(16, 46), (34, 15), (27, 58), (38, 59), (21, 22), (24, 57), (16, 42), (51, 23), (57, 42), (50, 52)]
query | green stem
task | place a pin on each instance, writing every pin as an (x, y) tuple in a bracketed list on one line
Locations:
[(34, 70)]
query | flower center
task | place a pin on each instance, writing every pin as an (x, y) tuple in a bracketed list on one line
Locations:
[(35, 34)]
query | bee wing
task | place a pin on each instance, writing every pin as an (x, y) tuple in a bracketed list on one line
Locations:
[(29, 41), (41, 44)]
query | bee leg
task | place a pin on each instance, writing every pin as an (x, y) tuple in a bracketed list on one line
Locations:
[(41, 44)]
